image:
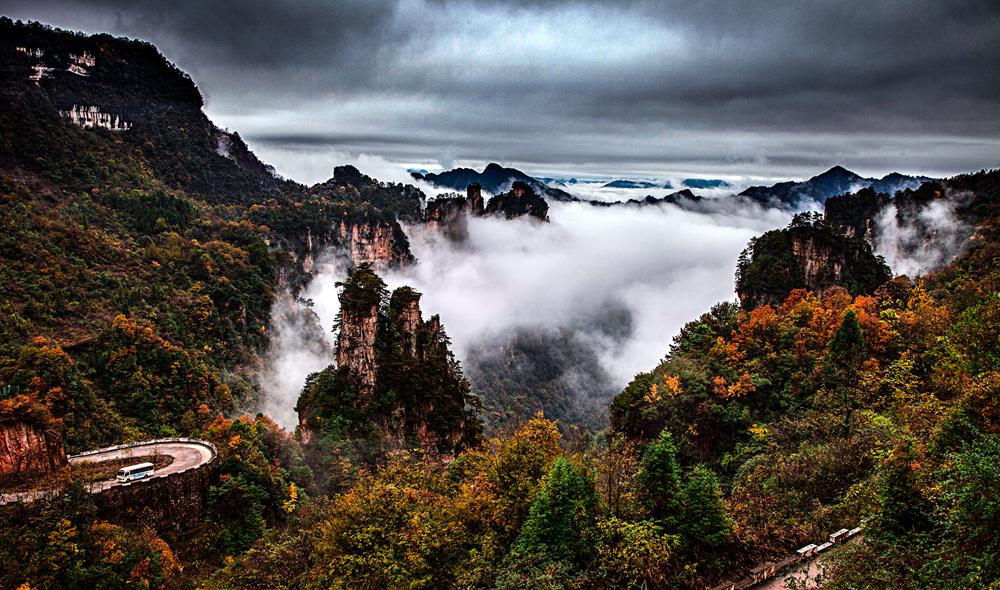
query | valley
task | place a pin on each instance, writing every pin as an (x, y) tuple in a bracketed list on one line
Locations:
[(476, 377)]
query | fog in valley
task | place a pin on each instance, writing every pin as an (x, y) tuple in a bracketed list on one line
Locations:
[(618, 281)]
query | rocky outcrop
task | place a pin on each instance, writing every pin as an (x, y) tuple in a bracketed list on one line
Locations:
[(821, 265), (416, 339), (808, 254), (90, 117), (434, 343), (357, 333), (520, 201), (395, 383), (449, 216), (474, 195), (355, 235), (405, 308), (26, 449)]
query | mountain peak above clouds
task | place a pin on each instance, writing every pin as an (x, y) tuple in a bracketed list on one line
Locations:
[(494, 179), (835, 181)]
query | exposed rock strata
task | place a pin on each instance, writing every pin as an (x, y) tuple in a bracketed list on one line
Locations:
[(356, 342), (372, 243), (26, 449)]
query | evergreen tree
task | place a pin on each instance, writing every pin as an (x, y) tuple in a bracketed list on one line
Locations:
[(562, 516), (847, 349), (903, 508), (704, 519), (659, 481), (847, 352)]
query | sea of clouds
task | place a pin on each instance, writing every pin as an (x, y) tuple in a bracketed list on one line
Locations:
[(662, 264)]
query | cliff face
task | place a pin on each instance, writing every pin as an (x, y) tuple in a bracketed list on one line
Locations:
[(820, 264), (474, 195), (448, 215), (405, 308), (25, 449), (351, 214), (355, 234), (416, 339), (377, 244), (356, 346)]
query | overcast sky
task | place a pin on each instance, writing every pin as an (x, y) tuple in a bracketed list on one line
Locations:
[(631, 89)]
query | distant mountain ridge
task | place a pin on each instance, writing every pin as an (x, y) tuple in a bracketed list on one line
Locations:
[(494, 179), (835, 181), (631, 184), (705, 183), (683, 198)]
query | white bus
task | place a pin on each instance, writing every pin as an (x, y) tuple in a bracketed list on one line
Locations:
[(135, 472)]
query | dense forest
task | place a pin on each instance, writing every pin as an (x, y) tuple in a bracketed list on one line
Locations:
[(138, 270)]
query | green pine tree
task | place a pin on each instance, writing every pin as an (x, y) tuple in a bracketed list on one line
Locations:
[(659, 481), (562, 516), (843, 364), (704, 520), (902, 507)]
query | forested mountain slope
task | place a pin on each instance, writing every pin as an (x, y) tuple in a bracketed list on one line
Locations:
[(141, 250), (761, 431)]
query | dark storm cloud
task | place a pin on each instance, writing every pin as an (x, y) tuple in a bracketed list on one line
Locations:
[(743, 87)]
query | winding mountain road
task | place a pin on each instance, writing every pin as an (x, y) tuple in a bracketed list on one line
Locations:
[(804, 576), (186, 454)]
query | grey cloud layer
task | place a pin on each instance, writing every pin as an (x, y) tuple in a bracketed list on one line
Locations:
[(910, 85)]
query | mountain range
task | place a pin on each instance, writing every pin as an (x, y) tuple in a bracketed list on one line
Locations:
[(150, 266), (494, 179), (835, 181), (705, 183), (791, 195), (632, 184)]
